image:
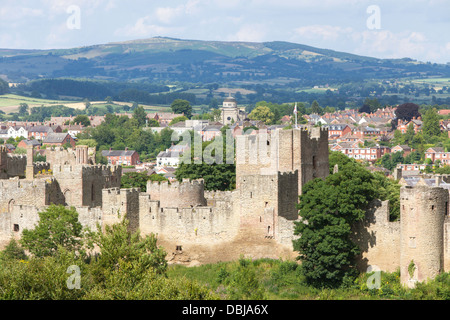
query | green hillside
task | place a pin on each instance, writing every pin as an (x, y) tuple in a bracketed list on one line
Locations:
[(167, 59)]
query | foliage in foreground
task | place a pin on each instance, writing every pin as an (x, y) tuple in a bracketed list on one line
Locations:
[(328, 208), (276, 279), (124, 265)]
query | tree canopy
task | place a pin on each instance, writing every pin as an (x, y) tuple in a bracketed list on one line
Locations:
[(263, 114), (58, 226), (407, 111), (431, 127), (181, 106), (328, 209)]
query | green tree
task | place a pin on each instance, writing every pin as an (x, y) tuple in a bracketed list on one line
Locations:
[(262, 113), (139, 180), (83, 120), (23, 109), (58, 226), (218, 175), (13, 251), (328, 209), (4, 86), (135, 180), (315, 108), (409, 134), (431, 127), (180, 106), (153, 123), (117, 243), (177, 119), (413, 157), (140, 115), (339, 159)]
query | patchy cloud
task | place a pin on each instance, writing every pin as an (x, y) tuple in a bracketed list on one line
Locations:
[(413, 28)]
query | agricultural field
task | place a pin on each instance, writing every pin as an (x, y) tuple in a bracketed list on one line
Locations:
[(11, 102)]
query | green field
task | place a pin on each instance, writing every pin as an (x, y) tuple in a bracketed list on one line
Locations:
[(10, 102)]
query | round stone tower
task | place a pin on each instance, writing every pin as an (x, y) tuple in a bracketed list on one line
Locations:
[(183, 194), (422, 213)]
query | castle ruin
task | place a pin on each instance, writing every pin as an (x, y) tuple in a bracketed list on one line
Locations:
[(256, 220)]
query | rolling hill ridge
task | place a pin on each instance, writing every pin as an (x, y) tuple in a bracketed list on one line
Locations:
[(168, 59)]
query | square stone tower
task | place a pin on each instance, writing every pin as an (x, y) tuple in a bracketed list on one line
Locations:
[(302, 150)]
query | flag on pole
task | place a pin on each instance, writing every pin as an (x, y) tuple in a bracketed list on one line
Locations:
[(295, 109)]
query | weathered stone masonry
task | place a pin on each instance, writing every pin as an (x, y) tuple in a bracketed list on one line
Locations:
[(255, 220)]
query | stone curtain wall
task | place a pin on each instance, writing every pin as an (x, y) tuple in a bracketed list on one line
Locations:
[(378, 239)]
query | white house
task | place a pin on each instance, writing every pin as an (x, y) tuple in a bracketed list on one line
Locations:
[(15, 132), (171, 157)]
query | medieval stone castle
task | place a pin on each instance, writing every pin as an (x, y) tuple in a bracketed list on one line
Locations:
[(255, 220)]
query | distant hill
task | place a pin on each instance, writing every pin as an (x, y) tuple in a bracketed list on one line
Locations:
[(159, 59)]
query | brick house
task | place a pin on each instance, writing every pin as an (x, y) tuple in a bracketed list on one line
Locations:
[(29, 142), (39, 132), (403, 126), (121, 157), (438, 153), (352, 150), (338, 130), (402, 148), (58, 139)]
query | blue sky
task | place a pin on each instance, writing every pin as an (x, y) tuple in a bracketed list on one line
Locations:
[(419, 29)]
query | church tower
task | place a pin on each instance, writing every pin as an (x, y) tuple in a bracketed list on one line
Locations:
[(230, 111)]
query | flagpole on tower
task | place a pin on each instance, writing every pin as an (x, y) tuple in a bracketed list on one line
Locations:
[(295, 112)]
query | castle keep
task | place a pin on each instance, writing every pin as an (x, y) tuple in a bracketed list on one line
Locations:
[(255, 220)]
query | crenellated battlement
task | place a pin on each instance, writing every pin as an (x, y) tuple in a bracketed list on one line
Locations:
[(178, 194)]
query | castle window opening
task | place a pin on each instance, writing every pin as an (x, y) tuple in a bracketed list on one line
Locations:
[(179, 248), (412, 242), (16, 228), (446, 209)]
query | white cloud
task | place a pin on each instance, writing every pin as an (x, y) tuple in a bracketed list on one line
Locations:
[(12, 13), (170, 14), (144, 28), (324, 32), (384, 43), (249, 33)]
